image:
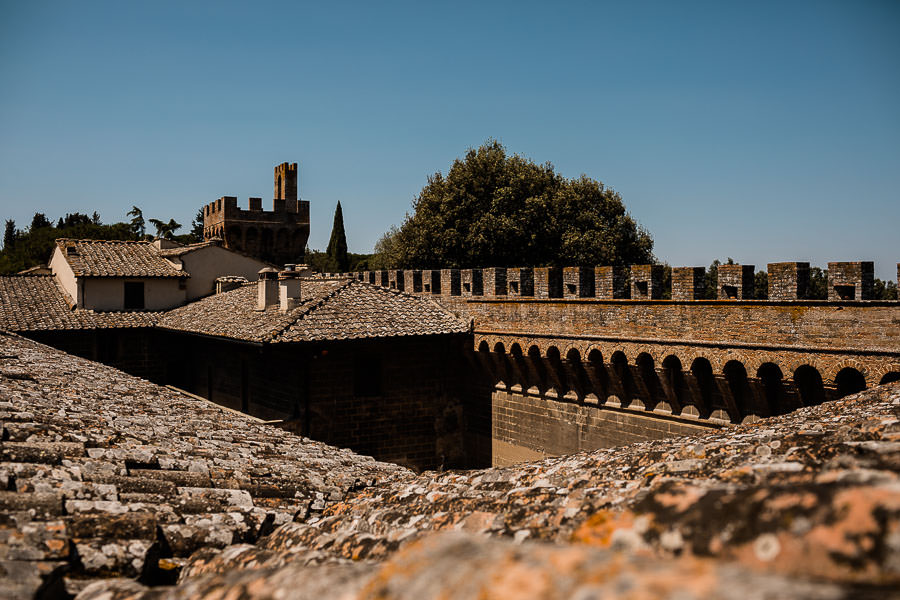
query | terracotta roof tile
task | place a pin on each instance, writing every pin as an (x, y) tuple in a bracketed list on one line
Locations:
[(332, 309), (36, 302), (116, 258)]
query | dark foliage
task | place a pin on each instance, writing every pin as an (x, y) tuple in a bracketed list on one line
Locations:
[(26, 249), (493, 209), (338, 261)]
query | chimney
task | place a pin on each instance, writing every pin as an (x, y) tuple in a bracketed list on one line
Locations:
[(289, 295), (267, 288)]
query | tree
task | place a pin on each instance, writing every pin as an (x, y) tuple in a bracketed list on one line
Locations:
[(40, 220), (137, 221), (197, 227), (818, 284), (761, 285), (9, 235), (165, 230), (885, 290), (493, 209), (338, 261)]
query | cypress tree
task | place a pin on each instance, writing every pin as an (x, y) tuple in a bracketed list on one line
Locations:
[(337, 259), (9, 235)]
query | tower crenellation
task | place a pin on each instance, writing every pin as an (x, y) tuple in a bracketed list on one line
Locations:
[(278, 235)]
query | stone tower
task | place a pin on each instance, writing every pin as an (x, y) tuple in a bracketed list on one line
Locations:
[(278, 236), (286, 181)]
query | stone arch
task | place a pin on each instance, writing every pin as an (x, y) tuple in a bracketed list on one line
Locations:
[(283, 243), (842, 365), (702, 374), (771, 379), (849, 381), (578, 380), (597, 374), (809, 386), (646, 367), (741, 405), (234, 238), (889, 377), (267, 243), (252, 240), (674, 385), (624, 380)]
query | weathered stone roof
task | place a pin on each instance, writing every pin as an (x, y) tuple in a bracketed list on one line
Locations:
[(105, 474), (331, 309), (805, 505), (188, 248), (36, 302), (116, 258)]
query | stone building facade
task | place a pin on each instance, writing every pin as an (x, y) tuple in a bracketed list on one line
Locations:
[(278, 235)]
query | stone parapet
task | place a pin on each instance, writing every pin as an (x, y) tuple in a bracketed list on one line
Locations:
[(736, 282), (578, 282), (548, 282), (688, 283), (646, 282), (611, 283), (450, 282), (788, 280), (471, 282), (520, 282), (851, 280)]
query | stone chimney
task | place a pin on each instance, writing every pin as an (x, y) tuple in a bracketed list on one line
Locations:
[(289, 286), (267, 288)]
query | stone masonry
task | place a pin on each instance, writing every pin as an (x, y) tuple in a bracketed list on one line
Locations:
[(278, 236)]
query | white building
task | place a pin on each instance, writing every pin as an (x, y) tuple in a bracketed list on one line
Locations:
[(109, 275)]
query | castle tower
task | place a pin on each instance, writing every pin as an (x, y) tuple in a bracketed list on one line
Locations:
[(278, 236), (286, 181)]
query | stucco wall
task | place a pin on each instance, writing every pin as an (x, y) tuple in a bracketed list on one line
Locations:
[(64, 275), (206, 264), (109, 293)]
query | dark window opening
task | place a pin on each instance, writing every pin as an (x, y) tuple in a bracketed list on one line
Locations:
[(845, 292), (514, 287), (641, 287), (730, 291), (468, 286), (367, 375), (571, 288), (134, 295)]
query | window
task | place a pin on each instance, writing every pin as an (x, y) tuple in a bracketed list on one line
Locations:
[(134, 295)]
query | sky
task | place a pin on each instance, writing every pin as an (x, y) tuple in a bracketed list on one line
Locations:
[(760, 131)]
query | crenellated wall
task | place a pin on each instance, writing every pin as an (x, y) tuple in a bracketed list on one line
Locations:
[(278, 235), (582, 358)]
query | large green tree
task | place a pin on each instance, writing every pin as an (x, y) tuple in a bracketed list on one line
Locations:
[(338, 260), (495, 209)]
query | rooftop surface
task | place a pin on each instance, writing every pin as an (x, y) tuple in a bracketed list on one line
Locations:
[(103, 471), (37, 303), (110, 476), (331, 309), (116, 258)]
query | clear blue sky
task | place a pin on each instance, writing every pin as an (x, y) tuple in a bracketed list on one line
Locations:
[(763, 131)]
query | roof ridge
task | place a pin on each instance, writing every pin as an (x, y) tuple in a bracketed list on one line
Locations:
[(307, 310), (95, 240)]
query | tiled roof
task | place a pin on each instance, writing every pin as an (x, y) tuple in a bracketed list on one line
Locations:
[(332, 309), (36, 302), (181, 250), (116, 258), (106, 475)]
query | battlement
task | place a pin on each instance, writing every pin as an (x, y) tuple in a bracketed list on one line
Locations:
[(278, 235), (787, 282)]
